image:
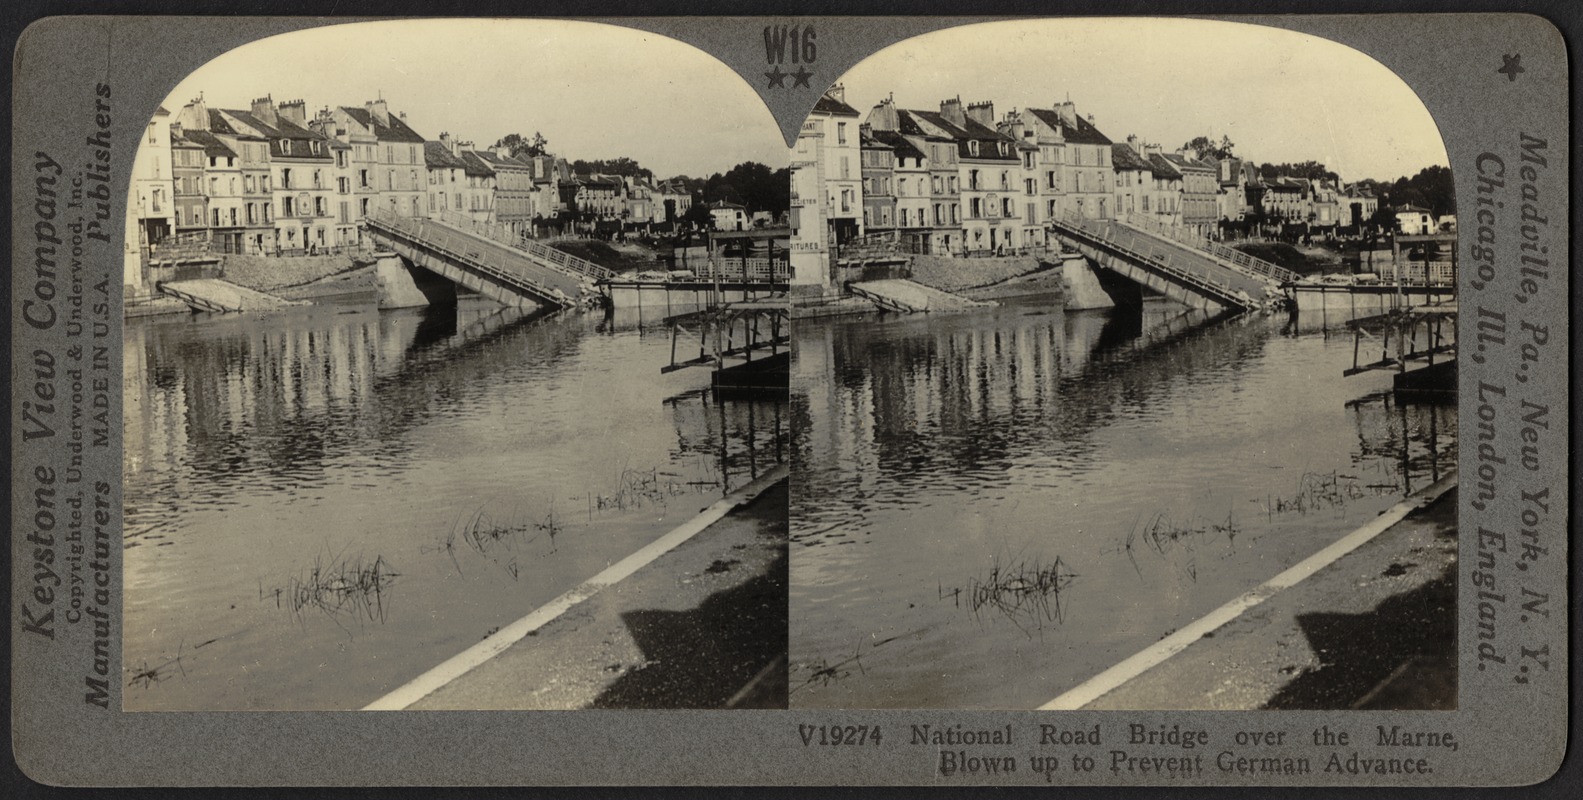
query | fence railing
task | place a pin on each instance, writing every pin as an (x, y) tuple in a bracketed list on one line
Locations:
[(467, 254), (1417, 273), (756, 269), (1257, 267), (502, 234), (1159, 256)]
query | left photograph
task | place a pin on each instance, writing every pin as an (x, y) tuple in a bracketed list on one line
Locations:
[(455, 376)]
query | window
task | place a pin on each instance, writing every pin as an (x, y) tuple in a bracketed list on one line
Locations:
[(1028, 186), (285, 179), (288, 206), (320, 207), (1005, 206), (840, 133), (972, 148), (318, 180), (972, 179), (975, 208)]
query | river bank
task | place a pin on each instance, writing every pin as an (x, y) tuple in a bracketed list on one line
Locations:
[(1374, 629)]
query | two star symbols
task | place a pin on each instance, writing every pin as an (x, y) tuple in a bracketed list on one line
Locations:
[(778, 78)]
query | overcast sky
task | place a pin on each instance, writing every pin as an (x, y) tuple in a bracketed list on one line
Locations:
[(1279, 95), (594, 91)]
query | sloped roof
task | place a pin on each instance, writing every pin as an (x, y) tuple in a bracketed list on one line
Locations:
[(396, 131), (969, 131), (280, 132), (1162, 167), (899, 143), (830, 105), (436, 154), (475, 164), (1122, 156), (1182, 162), (211, 146), (1082, 132), (495, 160)]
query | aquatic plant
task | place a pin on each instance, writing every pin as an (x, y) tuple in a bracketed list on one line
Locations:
[(339, 587), (1024, 591)]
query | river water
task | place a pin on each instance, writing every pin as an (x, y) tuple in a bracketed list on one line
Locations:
[(324, 502), (989, 508)]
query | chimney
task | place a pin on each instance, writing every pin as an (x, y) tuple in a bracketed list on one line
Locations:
[(1151, 150), (1068, 112), (447, 142), (296, 111), (883, 116), (982, 113), (1132, 142), (838, 92), (264, 109), (501, 151), (952, 111), (194, 116), (378, 110)]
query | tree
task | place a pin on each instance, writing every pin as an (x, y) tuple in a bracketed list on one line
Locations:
[(520, 146), (1203, 147), (623, 166)]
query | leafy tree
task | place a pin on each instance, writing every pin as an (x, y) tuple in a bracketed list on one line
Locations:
[(1204, 147), (1312, 170), (520, 146), (623, 166)]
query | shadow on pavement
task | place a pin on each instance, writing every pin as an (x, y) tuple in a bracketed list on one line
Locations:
[(1401, 655), (702, 657)]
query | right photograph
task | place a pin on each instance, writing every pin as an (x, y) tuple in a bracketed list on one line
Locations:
[(1123, 376)]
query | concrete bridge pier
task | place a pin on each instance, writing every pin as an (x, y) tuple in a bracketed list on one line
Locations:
[(404, 285), (1082, 287)]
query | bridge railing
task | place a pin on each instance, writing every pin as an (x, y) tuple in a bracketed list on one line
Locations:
[(503, 234), (745, 270), (1158, 256), (1257, 267), (464, 250)]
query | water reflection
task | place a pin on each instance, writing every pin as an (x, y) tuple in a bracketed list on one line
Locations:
[(276, 462), (1145, 467)]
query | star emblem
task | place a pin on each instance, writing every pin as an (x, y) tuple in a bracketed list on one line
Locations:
[(1513, 65), (800, 78), (777, 78)]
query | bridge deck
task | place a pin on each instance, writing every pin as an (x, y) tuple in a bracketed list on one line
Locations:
[(909, 296), (485, 260), (1161, 262), (213, 294)]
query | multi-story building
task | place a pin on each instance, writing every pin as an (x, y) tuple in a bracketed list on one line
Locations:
[(212, 129), (223, 187), (478, 196), (1167, 189), (843, 157), (514, 190), (1284, 199), (344, 208), (826, 191), (1232, 199), (399, 172), (1200, 187), (1357, 205), (989, 174), (301, 164), (672, 201), (1134, 181), (152, 216), (1042, 153), (446, 176), (879, 178), (1084, 159), (728, 216), (598, 195), (187, 159), (928, 199)]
